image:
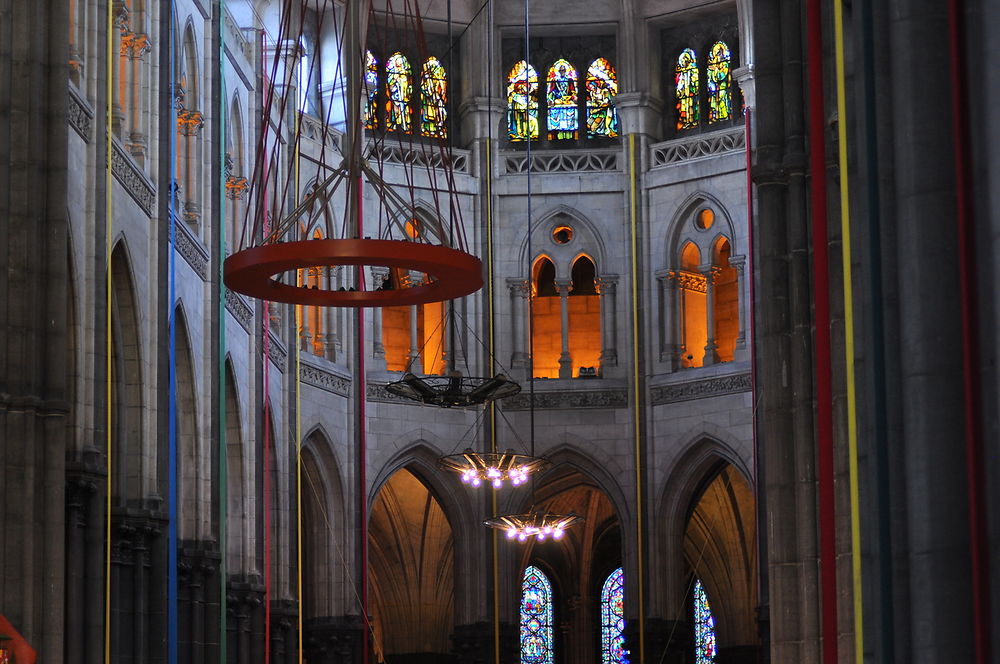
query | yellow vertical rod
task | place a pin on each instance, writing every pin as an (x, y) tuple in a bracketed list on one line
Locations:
[(109, 90), (845, 244), (633, 221)]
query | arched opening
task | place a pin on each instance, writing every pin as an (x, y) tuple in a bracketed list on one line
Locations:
[(578, 565), (413, 337), (323, 554), (720, 555), (126, 385), (584, 319), (194, 473), (411, 572), (692, 291), (238, 508), (725, 302), (546, 323)]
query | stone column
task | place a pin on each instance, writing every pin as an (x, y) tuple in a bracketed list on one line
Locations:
[(742, 293), (711, 356), (669, 339), (330, 313), (519, 313), (607, 288), (379, 277), (563, 287), (415, 362)]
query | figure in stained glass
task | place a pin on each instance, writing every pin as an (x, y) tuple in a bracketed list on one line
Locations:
[(602, 86), (371, 91), (561, 95), (720, 100), (613, 619), (686, 86), (522, 102), (536, 618), (399, 88), (704, 627), (434, 108)]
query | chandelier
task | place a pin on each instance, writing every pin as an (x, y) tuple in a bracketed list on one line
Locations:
[(494, 468), (454, 390), (540, 525)]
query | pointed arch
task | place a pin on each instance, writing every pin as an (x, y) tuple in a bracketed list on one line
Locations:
[(602, 88), (239, 504), (562, 97), (323, 523), (719, 83), (434, 103), (192, 473), (686, 89), (399, 90), (522, 102), (613, 618), (537, 619), (126, 386)]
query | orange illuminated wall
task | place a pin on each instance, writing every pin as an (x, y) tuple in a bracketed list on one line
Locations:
[(546, 320), (430, 336), (691, 290), (727, 314), (584, 317)]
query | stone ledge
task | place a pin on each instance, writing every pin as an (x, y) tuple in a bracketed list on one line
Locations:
[(698, 389)]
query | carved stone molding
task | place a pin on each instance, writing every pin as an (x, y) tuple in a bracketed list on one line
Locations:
[(192, 251), (564, 162), (190, 122), (698, 389), (563, 400), (81, 115), (276, 352), (133, 179), (691, 281), (324, 380), (377, 392), (420, 155), (240, 310), (697, 147), (134, 45)]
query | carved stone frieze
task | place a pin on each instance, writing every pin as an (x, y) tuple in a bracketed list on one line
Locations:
[(324, 380), (81, 115), (377, 392), (192, 251), (691, 281), (563, 400), (133, 179), (697, 147), (240, 310), (564, 162), (698, 389), (419, 155), (276, 352)]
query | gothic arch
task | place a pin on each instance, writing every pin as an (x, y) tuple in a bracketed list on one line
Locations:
[(679, 231), (127, 381), (586, 240), (324, 528), (192, 462), (239, 503)]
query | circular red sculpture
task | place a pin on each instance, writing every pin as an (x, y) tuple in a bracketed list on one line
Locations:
[(452, 273)]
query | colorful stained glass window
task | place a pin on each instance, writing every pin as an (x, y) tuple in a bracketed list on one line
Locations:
[(686, 86), (704, 627), (561, 96), (718, 80), (536, 618), (371, 90), (434, 109), (522, 102), (399, 89), (613, 619), (602, 86)]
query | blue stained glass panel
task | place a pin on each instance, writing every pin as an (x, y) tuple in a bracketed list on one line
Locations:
[(561, 96), (613, 619), (686, 88), (522, 102), (704, 627), (536, 618)]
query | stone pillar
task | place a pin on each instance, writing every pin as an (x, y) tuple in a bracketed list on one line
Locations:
[(519, 312), (607, 288), (563, 287), (330, 340), (669, 339), (380, 275), (415, 363), (743, 293), (711, 356)]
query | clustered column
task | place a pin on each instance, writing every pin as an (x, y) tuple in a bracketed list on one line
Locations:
[(607, 288), (563, 287)]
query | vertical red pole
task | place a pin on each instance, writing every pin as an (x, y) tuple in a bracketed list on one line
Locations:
[(970, 338), (362, 443), (821, 303)]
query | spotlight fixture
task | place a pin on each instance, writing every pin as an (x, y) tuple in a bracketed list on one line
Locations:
[(540, 525), (492, 468), (454, 390)]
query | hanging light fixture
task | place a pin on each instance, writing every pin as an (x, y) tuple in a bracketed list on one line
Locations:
[(539, 524), (493, 469), (453, 391)]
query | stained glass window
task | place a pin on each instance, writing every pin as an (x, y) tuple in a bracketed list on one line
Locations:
[(399, 88), (686, 85), (522, 102), (536, 618), (613, 619), (371, 90), (561, 95), (720, 101), (433, 110), (704, 627), (602, 86)]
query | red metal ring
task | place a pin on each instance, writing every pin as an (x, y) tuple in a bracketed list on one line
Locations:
[(455, 273)]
